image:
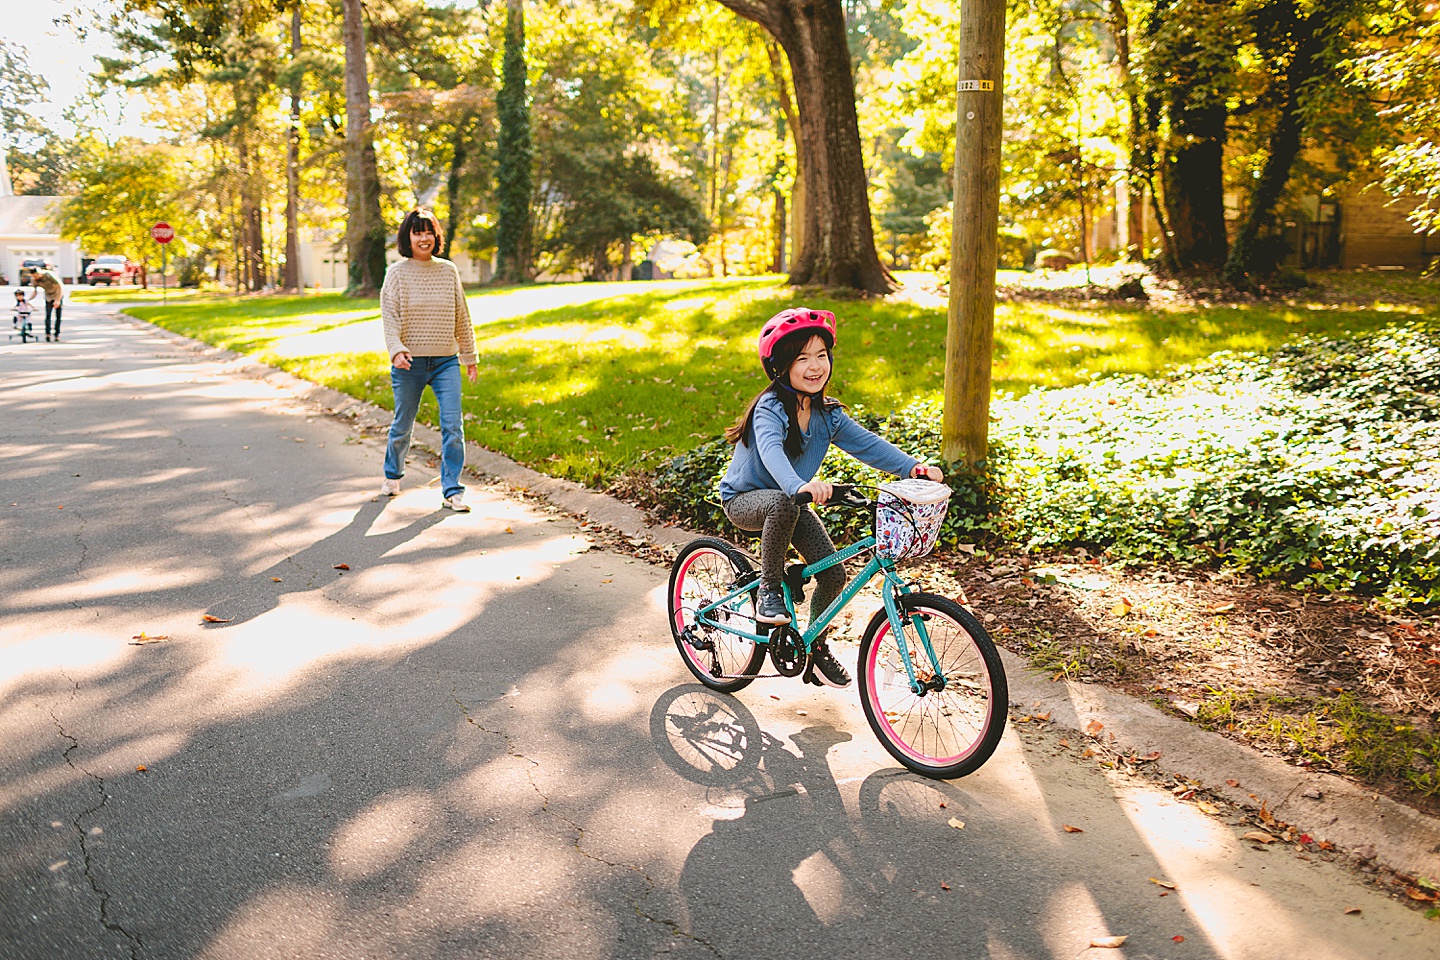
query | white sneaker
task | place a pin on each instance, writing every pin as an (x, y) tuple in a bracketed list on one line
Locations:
[(456, 504), (390, 488)]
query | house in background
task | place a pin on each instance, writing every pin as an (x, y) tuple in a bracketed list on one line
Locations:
[(25, 233)]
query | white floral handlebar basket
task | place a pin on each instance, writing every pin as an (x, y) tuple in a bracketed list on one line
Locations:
[(908, 515)]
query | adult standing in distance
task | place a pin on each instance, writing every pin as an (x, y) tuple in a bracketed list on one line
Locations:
[(428, 336), (46, 280)]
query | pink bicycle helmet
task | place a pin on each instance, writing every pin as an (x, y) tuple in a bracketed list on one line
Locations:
[(791, 321)]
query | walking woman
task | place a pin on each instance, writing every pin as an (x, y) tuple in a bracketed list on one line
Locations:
[(428, 335)]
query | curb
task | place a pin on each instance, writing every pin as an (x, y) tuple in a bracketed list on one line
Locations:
[(1369, 826)]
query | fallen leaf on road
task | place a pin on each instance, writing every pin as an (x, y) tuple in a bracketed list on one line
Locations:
[(1107, 942), (1415, 893), (1352, 910), (1258, 837), (957, 824), (1121, 609), (1089, 752), (1221, 608), (143, 637), (1044, 717), (140, 769), (1233, 783), (1163, 883), (342, 566), (944, 886), (1094, 727), (276, 580), (1069, 829), (508, 530), (1205, 806), (211, 618), (1178, 939), (607, 581)]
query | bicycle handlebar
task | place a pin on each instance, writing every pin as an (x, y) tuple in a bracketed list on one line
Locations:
[(845, 495)]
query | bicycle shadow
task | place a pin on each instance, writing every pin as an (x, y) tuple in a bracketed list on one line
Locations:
[(786, 863)]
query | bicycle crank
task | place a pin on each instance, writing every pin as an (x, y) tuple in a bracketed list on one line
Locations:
[(787, 650)]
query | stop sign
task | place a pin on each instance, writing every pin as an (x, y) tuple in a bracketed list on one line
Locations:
[(162, 232)]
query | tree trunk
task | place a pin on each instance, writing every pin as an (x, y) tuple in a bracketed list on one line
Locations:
[(459, 152), (627, 262), (252, 234), (365, 230), (1284, 148), (778, 223), (797, 191), (513, 178), (292, 165), (1141, 158), (1192, 78), (838, 246)]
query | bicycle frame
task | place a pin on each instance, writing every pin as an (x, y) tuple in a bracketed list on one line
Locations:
[(877, 566)]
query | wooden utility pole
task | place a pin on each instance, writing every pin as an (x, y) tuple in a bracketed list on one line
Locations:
[(969, 338)]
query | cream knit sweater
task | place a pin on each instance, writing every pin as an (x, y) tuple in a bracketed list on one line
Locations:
[(423, 310)]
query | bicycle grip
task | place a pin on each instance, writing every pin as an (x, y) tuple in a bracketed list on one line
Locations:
[(802, 498)]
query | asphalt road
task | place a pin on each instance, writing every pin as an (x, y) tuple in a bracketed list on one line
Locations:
[(477, 740)]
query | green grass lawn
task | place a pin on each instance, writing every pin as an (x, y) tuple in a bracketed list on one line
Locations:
[(588, 381), (127, 294)]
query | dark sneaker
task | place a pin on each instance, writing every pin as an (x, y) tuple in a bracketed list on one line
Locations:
[(770, 605), (824, 668)]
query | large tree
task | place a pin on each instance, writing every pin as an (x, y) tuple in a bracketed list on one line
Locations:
[(837, 248), (1190, 76), (365, 233), (514, 178)]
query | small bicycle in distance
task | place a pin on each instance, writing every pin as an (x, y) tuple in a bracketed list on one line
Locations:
[(931, 681)]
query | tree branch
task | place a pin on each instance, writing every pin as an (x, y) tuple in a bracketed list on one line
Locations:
[(759, 11)]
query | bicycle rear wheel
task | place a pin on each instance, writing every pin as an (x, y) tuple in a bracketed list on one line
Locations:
[(936, 733), (706, 570)]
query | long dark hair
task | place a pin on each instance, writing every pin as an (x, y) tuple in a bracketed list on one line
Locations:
[(782, 359), (419, 217)]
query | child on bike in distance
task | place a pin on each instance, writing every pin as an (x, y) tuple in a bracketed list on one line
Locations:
[(22, 309), (780, 441)]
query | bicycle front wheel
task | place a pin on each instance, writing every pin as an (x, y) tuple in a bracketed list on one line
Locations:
[(704, 572), (944, 733)]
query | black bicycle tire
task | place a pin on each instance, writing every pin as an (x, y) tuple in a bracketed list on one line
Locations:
[(993, 727), (741, 565)]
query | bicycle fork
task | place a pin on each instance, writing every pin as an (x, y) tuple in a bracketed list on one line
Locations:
[(919, 686)]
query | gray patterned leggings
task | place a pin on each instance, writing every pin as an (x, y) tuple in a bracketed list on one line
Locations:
[(780, 523)]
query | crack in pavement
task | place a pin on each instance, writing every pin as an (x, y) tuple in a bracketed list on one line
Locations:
[(84, 549), (579, 832), (136, 945)]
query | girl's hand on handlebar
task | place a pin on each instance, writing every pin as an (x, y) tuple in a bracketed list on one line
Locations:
[(819, 491), (926, 471)]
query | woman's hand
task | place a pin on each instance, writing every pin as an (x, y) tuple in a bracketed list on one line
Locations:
[(820, 491), (927, 472), (401, 360), (472, 371)]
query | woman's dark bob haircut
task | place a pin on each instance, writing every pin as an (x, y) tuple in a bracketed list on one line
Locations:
[(422, 221)]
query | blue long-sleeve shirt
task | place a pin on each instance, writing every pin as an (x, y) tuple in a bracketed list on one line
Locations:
[(760, 462)]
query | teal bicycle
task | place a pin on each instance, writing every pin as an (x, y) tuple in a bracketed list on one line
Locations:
[(931, 681)]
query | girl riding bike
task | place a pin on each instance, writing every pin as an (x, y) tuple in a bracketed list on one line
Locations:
[(780, 442)]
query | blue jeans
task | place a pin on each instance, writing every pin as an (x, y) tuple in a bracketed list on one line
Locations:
[(442, 375)]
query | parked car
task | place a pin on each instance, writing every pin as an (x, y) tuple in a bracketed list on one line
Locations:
[(29, 266), (111, 269)]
